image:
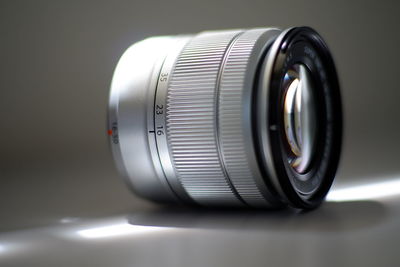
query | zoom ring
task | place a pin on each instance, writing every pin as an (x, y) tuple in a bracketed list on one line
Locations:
[(190, 119), (205, 120)]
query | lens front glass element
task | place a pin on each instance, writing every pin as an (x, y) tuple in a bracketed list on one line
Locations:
[(299, 117)]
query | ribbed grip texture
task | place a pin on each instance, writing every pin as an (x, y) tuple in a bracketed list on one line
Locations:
[(231, 118), (191, 119)]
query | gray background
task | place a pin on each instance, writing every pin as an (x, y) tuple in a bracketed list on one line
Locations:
[(56, 63)]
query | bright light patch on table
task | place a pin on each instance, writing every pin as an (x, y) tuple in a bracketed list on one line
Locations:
[(69, 220), (363, 192), (116, 230), (2, 248)]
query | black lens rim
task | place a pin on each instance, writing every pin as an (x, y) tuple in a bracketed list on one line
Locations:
[(305, 46)]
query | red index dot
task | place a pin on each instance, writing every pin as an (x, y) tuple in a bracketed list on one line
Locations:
[(109, 132)]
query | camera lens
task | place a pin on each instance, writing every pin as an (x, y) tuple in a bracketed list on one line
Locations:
[(246, 118)]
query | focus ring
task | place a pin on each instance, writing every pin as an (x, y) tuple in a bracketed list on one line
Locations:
[(191, 119), (232, 120)]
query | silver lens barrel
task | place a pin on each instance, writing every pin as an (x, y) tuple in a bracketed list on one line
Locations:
[(189, 120)]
